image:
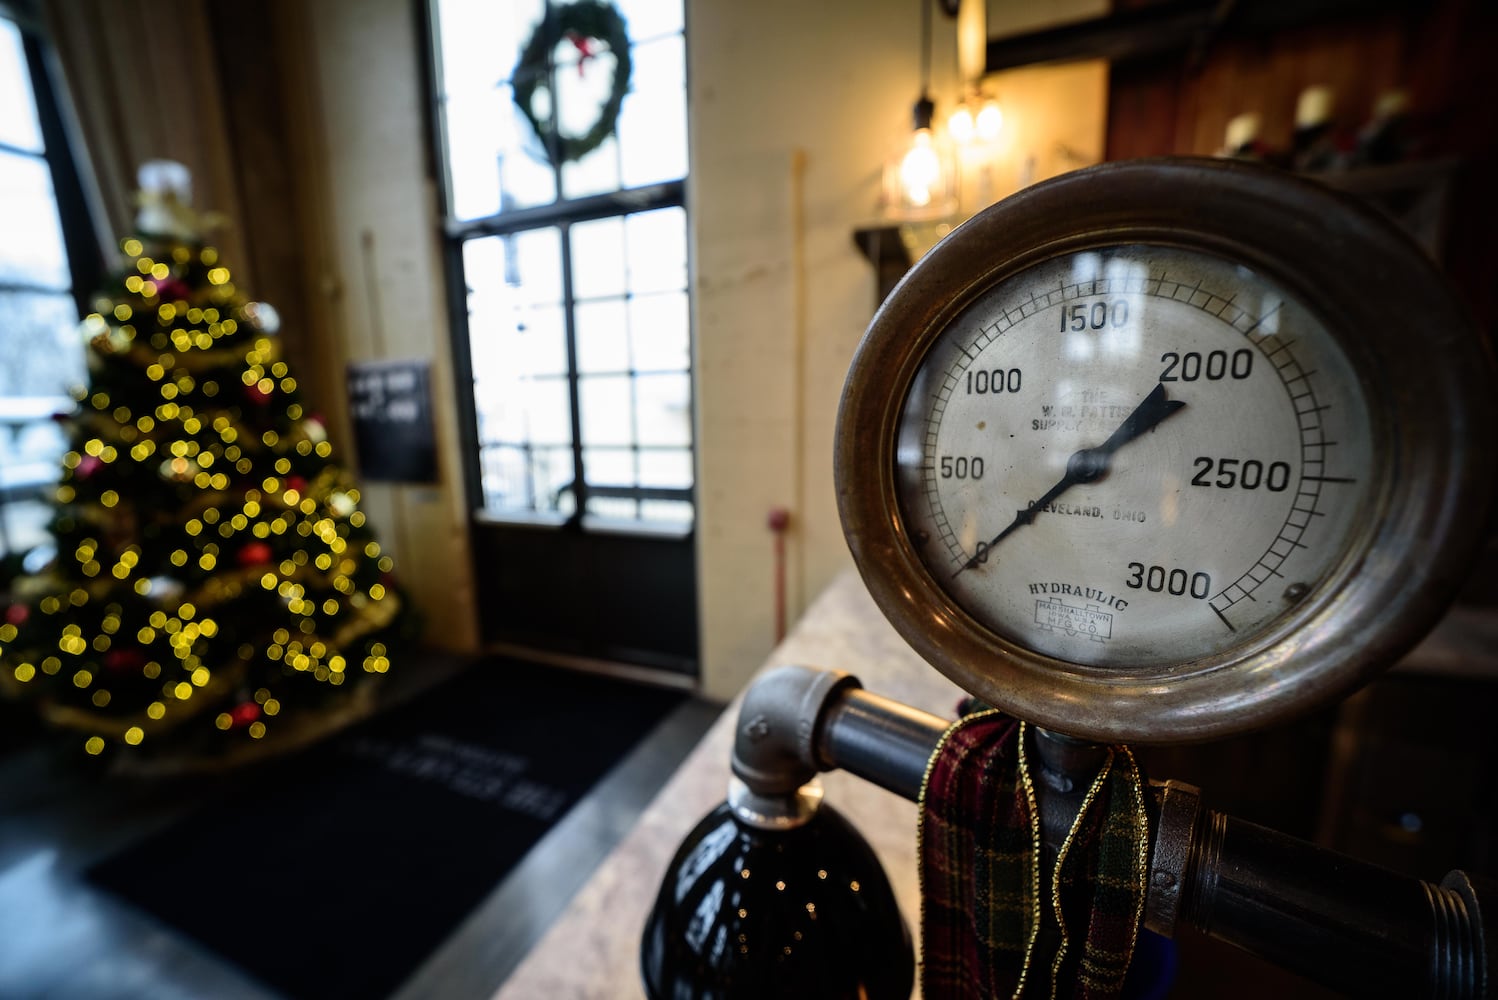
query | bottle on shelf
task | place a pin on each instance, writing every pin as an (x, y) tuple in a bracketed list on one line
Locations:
[(1316, 144)]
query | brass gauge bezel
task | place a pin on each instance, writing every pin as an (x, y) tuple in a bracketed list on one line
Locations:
[(1424, 368)]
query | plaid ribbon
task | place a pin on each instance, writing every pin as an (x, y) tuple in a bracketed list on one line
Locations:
[(984, 915)]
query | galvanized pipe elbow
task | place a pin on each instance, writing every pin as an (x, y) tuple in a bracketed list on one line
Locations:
[(774, 749)]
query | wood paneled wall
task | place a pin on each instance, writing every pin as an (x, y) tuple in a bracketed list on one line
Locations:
[(1445, 54)]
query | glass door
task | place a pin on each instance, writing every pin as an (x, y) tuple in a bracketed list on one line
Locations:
[(569, 272)]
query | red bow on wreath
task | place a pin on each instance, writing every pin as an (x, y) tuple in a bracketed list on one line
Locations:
[(585, 50)]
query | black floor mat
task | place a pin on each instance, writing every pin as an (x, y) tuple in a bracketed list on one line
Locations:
[(335, 873)]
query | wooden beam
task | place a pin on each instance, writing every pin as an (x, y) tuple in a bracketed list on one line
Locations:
[(1141, 32)]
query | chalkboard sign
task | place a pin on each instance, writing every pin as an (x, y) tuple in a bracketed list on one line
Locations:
[(391, 403)]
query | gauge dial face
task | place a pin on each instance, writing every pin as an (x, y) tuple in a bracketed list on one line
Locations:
[(1134, 456)]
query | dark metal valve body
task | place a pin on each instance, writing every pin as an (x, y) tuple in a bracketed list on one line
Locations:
[(1349, 925)]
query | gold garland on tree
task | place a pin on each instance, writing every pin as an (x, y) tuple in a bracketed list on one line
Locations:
[(212, 562)]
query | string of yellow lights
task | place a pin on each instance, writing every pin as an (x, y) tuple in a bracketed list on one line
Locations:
[(212, 561)]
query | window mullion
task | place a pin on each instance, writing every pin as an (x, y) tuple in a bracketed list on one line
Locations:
[(569, 321), (574, 378)]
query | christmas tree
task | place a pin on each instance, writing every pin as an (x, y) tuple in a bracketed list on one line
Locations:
[(214, 577)]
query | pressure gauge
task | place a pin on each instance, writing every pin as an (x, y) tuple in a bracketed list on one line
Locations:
[(1165, 450)]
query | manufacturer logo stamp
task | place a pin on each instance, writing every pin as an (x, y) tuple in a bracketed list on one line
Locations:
[(1091, 621)]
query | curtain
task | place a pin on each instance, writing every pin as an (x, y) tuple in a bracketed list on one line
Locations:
[(146, 82)]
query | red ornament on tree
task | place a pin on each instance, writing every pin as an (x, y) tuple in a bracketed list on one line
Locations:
[(87, 466), (256, 395), (244, 713), (255, 554), (296, 483), (121, 661), (17, 614), (173, 290)]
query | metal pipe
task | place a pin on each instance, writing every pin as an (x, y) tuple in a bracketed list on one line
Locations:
[(1359, 928), (1341, 922), (879, 739)]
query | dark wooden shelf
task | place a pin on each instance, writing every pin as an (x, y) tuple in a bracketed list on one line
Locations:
[(886, 250)]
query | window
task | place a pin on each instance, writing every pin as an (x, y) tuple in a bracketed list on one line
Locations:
[(38, 311), (575, 312)]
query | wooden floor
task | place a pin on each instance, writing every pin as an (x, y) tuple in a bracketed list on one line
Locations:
[(60, 938)]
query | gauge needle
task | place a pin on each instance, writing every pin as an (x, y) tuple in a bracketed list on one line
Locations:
[(1090, 464)]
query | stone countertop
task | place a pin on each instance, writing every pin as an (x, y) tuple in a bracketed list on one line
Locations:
[(592, 951)]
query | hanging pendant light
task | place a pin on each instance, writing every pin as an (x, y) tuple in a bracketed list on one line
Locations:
[(960, 125), (967, 126), (925, 171), (920, 180), (990, 120), (977, 117)]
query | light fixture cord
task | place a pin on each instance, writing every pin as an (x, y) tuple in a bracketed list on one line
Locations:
[(925, 47)]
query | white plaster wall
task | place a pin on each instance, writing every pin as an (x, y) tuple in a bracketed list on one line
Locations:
[(372, 235), (794, 108)]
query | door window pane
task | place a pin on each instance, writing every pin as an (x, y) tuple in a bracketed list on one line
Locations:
[(606, 409), (520, 269), (520, 343), (547, 411), (602, 337), (490, 162), (506, 473), (527, 479), (657, 246), (664, 413), (481, 40), (658, 330), (647, 19), (494, 161), (533, 265), (583, 86), (595, 173), (598, 258), (553, 474), (666, 511), (653, 120), (539, 346), (524, 410), (491, 314), (666, 467), (508, 336), (614, 508), (609, 466), (473, 153), (525, 176)]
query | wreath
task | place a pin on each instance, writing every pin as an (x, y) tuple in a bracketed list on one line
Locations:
[(584, 24)]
